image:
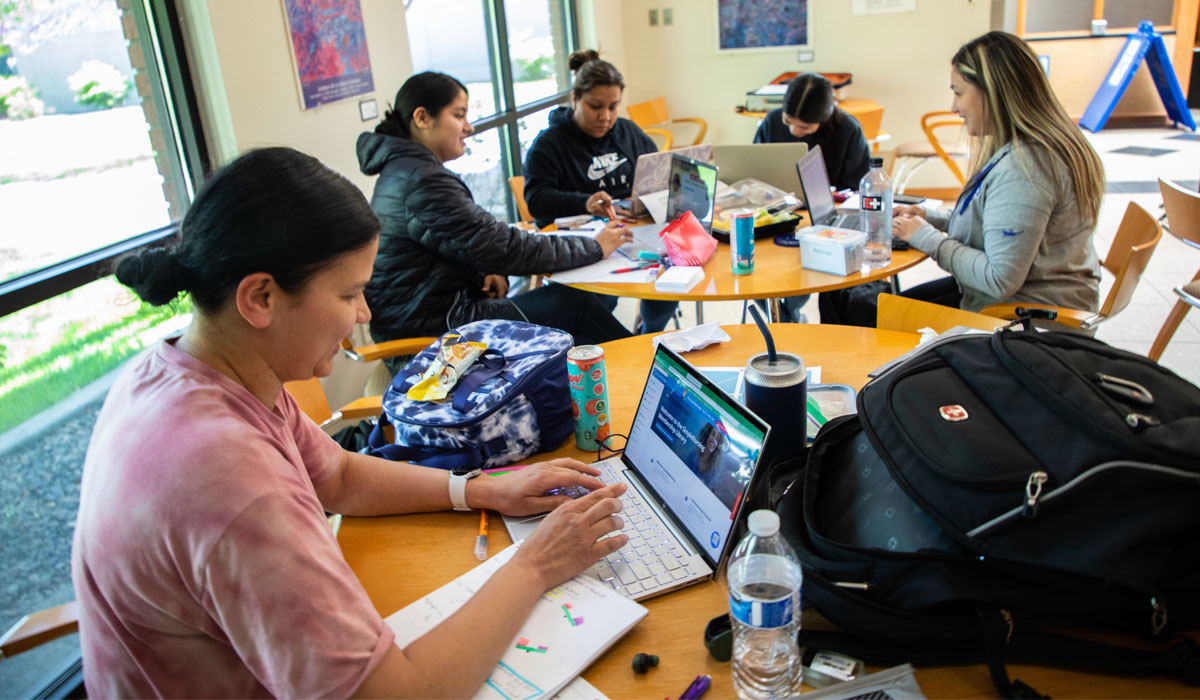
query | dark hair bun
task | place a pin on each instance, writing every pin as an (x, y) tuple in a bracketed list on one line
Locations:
[(155, 274), (581, 57)]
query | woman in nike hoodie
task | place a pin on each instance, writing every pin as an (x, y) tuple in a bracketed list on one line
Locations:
[(586, 158)]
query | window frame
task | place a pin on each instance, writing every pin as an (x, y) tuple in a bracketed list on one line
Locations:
[(504, 90), (166, 65)]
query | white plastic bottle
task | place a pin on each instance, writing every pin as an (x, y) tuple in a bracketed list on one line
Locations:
[(875, 190), (764, 606)]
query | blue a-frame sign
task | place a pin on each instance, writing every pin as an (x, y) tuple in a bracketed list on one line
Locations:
[(1148, 44)]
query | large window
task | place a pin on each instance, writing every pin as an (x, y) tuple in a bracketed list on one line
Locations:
[(512, 56), (98, 155)]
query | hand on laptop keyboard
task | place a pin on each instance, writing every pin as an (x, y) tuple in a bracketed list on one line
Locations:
[(573, 537), (570, 491)]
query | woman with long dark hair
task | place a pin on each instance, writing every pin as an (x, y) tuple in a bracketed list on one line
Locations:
[(443, 260), (203, 562)]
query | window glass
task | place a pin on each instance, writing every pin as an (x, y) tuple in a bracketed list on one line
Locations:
[(530, 125), (431, 24), (72, 130), (1126, 14), (1058, 15), (483, 169), (538, 48)]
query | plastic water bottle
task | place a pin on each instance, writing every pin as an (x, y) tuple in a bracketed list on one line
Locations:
[(764, 607), (875, 190)]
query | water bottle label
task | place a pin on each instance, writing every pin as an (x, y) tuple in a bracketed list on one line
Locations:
[(872, 203), (769, 614)]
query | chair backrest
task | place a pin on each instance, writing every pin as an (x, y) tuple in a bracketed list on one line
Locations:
[(934, 122), (649, 113), (1131, 249), (896, 313), (870, 120), (1183, 211), (516, 183), (667, 138), (310, 396)]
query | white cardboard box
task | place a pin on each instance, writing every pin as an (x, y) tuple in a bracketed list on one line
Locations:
[(838, 251), (679, 279)]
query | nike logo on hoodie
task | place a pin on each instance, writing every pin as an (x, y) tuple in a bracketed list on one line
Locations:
[(604, 164)]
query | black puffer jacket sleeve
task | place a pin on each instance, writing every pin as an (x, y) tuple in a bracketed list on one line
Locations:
[(444, 219), (436, 244)]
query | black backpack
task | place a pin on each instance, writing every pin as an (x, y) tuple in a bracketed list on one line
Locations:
[(995, 490)]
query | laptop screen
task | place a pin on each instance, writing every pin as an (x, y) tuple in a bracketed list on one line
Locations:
[(691, 185), (696, 448), (814, 180)]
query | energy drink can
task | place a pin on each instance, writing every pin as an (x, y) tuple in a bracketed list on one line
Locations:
[(589, 395), (741, 241)]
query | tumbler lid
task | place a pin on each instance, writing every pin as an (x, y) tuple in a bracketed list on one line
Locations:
[(786, 370)]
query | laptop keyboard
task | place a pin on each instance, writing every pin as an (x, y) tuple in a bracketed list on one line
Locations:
[(652, 559)]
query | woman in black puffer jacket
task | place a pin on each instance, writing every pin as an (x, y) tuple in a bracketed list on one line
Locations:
[(443, 259)]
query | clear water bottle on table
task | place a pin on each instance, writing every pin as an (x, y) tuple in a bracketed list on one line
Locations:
[(764, 607), (875, 191)]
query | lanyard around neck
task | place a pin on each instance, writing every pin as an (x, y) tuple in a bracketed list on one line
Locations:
[(975, 184)]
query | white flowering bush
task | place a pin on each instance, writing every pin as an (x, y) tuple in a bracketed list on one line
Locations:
[(18, 99), (99, 85)]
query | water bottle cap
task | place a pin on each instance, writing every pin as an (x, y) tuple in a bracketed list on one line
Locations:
[(763, 523), (876, 162), (787, 370)]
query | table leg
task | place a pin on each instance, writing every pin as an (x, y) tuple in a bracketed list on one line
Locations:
[(699, 313), (774, 310)]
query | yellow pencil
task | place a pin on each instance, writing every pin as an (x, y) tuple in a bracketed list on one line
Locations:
[(481, 541)]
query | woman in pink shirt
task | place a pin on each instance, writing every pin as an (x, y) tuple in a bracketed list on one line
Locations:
[(202, 560)]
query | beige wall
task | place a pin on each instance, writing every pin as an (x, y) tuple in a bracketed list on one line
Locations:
[(249, 88), (902, 60)]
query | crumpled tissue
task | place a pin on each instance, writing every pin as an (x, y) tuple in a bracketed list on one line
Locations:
[(693, 338)]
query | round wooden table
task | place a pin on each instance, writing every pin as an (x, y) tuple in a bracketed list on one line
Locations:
[(777, 274), (398, 559)]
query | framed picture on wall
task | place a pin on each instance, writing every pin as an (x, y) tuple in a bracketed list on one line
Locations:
[(747, 25), (329, 50)]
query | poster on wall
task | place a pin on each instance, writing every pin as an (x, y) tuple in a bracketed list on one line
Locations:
[(329, 49), (762, 24)]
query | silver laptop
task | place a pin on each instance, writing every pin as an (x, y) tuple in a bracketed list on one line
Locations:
[(772, 163), (691, 185), (814, 179), (652, 169), (691, 458)]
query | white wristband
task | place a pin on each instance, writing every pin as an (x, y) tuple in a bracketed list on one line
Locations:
[(458, 492)]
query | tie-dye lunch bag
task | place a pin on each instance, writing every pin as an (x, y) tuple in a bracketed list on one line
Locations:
[(511, 402)]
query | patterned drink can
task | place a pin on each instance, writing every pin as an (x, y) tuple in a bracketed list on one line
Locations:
[(589, 395), (741, 241)]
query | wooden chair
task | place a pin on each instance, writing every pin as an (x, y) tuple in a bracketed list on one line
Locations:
[(310, 393), (654, 113), (871, 120), (1183, 221), (662, 138), (516, 183), (1131, 249), (936, 125), (38, 628), (896, 313)]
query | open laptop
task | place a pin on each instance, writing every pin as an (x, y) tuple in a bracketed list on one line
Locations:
[(691, 458), (814, 179), (691, 185), (772, 163), (651, 171)]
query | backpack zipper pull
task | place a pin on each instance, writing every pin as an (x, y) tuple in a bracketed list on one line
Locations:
[(1140, 420), (1033, 491)]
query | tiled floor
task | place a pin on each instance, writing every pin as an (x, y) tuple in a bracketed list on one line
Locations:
[(1132, 177)]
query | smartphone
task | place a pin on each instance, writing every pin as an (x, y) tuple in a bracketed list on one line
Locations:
[(907, 199)]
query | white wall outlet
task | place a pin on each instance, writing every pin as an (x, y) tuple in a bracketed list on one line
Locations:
[(805, 56), (368, 109)]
